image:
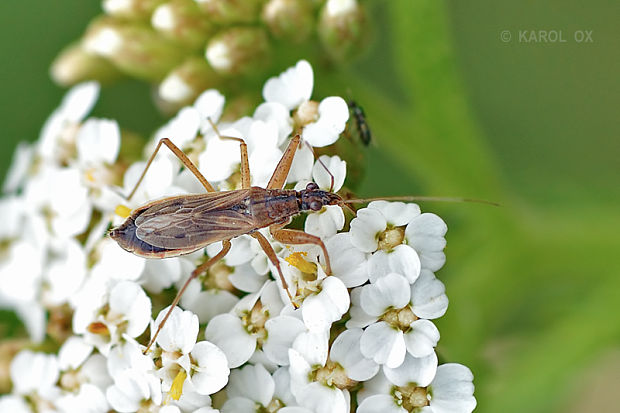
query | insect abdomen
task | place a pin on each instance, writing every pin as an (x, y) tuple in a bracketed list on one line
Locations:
[(125, 236)]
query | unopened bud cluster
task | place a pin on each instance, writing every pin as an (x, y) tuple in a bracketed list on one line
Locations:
[(186, 46)]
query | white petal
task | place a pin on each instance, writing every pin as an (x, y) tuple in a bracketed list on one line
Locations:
[(365, 229), (402, 260), (281, 332), (321, 310), (220, 158), (380, 403), (210, 105), (181, 129), (425, 233), (396, 213), (422, 338), (312, 346), (274, 112), (239, 405), (73, 352), (210, 372), (246, 279), (282, 379), (348, 263), (320, 398), (115, 262), (208, 304), (333, 115), (346, 351), (292, 87), (301, 168), (391, 291), (383, 344), (98, 141), (79, 101), (14, 404), (335, 166), (359, 317), (180, 331), (253, 382), (453, 389), (428, 296), (31, 371), (227, 332), (128, 299), (326, 222), (420, 371)]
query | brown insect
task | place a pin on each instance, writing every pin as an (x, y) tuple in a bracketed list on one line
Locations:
[(183, 224)]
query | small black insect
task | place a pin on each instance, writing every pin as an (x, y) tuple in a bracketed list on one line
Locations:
[(363, 129)]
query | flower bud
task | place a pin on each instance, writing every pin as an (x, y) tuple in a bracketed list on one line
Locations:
[(231, 11), (183, 21), (186, 81), (74, 65), (131, 9), (239, 50), (292, 20), (133, 47), (342, 28)]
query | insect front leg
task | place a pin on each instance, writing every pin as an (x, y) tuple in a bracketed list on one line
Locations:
[(182, 157), (199, 270), (296, 237), (278, 179), (271, 254)]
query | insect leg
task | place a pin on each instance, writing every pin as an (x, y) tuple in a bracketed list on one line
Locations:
[(292, 236), (199, 270), (278, 179), (271, 254), (182, 157), (245, 163)]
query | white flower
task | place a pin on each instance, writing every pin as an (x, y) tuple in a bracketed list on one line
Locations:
[(209, 370), (332, 119), (14, 404), (35, 373), (98, 142), (250, 388), (132, 389), (408, 389), (425, 233), (292, 87), (397, 329), (345, 350), (452, 390), (348, 263), (105, 316), (76, 104)]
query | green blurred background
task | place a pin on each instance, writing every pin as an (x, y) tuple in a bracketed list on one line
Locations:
[(455, 110)]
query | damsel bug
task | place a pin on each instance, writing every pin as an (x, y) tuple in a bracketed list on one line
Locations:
[(183, 224)]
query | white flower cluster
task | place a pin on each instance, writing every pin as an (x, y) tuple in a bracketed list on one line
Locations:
[(361, 336)]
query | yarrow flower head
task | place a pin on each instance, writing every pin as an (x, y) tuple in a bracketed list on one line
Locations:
[(336, 317)]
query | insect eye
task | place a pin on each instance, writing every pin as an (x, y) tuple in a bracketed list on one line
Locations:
[(312, 187), (315, 205)]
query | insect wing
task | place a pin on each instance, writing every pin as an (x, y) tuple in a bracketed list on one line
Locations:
[(189, 222)]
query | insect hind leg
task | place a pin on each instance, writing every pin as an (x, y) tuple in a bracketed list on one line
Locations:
[(199, 270)]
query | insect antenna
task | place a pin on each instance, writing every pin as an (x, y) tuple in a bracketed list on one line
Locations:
[(421, 198), (331, 176)]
